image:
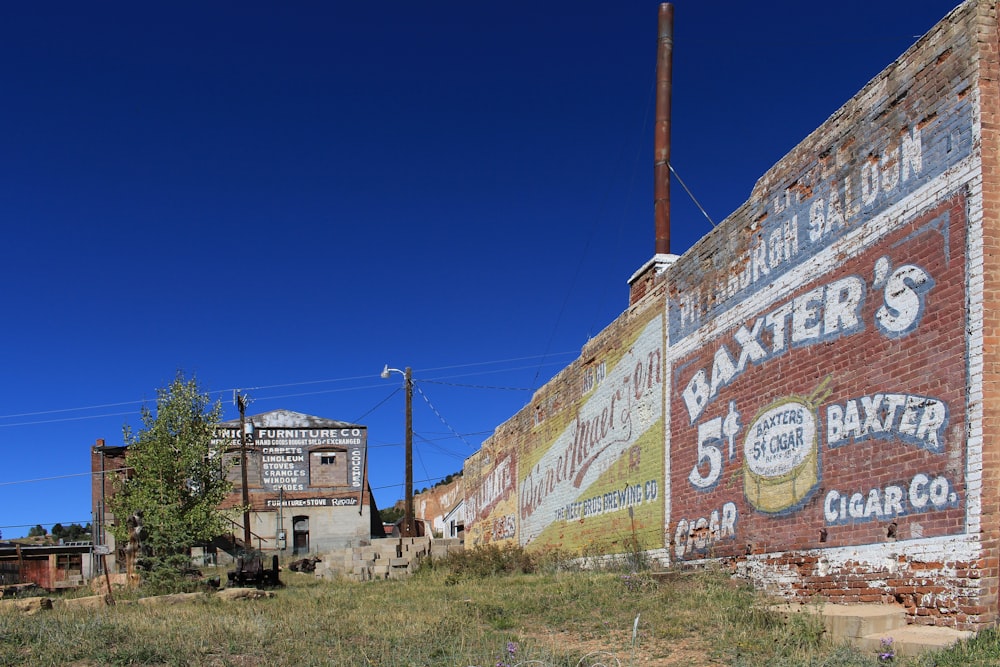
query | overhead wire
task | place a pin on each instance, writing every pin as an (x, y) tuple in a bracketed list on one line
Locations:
[(67, 476), (421, 460), (416, 481), (89, 407), (427, 441), (447, 437), (443, 450), (476, 386), (599, 215), (505, 370), (378, 405), (605, 290), (221, 392), (422, 439), (487, 363), (48, 523), (69, 419), (439, 415)]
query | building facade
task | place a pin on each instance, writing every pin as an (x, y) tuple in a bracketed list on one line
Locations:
[(809, 393), (307, 482), (307, 486), (437, 507)]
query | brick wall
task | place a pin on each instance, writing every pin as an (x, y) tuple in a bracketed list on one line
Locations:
[(825, 431), (581, 466), (824, 415), (985, 393), (106, 466), (433, 504)]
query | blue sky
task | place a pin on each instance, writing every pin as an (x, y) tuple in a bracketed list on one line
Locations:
[(284, 197)]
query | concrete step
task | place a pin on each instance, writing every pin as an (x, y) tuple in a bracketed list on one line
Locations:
[(913, 639), (867, 625), (851, 621)]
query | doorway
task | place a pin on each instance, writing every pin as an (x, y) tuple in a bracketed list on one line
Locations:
[(300, 535)]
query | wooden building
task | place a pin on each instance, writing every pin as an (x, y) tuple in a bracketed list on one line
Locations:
[(51, 566)]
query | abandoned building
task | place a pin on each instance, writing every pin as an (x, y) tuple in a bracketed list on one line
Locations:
[(52, 567), (307, 486)]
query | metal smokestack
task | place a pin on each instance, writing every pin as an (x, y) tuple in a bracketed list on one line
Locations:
[(661, 145)]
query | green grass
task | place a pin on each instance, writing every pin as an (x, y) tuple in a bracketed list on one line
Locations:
[(453, 614)]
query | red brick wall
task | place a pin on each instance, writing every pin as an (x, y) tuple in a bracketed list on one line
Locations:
[(105, 465), (988, 566), (827, 413), (824, 436)]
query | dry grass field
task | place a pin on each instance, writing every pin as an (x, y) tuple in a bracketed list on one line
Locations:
[(484, 612)]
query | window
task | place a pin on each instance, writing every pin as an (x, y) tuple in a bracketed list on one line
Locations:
[(328, 467)]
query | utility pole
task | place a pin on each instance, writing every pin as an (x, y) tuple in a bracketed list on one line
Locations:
[(409, 526), (241, 403)]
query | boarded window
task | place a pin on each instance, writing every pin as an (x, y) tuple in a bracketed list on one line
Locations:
[(328, 467)]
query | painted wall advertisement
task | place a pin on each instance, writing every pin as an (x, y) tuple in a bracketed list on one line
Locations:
[(490, 501), (282, 455), (823, 404), (595, 481)]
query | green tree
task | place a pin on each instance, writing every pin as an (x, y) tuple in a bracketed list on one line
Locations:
[(78, 532), (391, 514), (74, 532), (38, 531), (176, 479)]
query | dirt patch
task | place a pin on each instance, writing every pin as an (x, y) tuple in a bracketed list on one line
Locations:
[(649, 653)]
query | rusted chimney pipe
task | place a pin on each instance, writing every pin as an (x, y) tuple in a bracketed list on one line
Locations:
[(661, 145)]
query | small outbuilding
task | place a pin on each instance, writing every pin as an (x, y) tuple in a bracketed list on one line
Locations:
[(49, 566)]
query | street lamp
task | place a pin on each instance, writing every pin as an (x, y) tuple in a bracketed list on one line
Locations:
[(409, 528)]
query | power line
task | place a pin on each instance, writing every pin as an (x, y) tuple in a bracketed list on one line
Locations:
[(416, 481), (506, 370), (600, 214), (477, 386), (68, 419), (605, 287), (35, 413), (47, 523), (345, 389), (443, 450), (439, 416), (259, 398), (422, 464), (378, 405), (430, 441), (503, 361), (450, 436), (89, 407), (74, 474)]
